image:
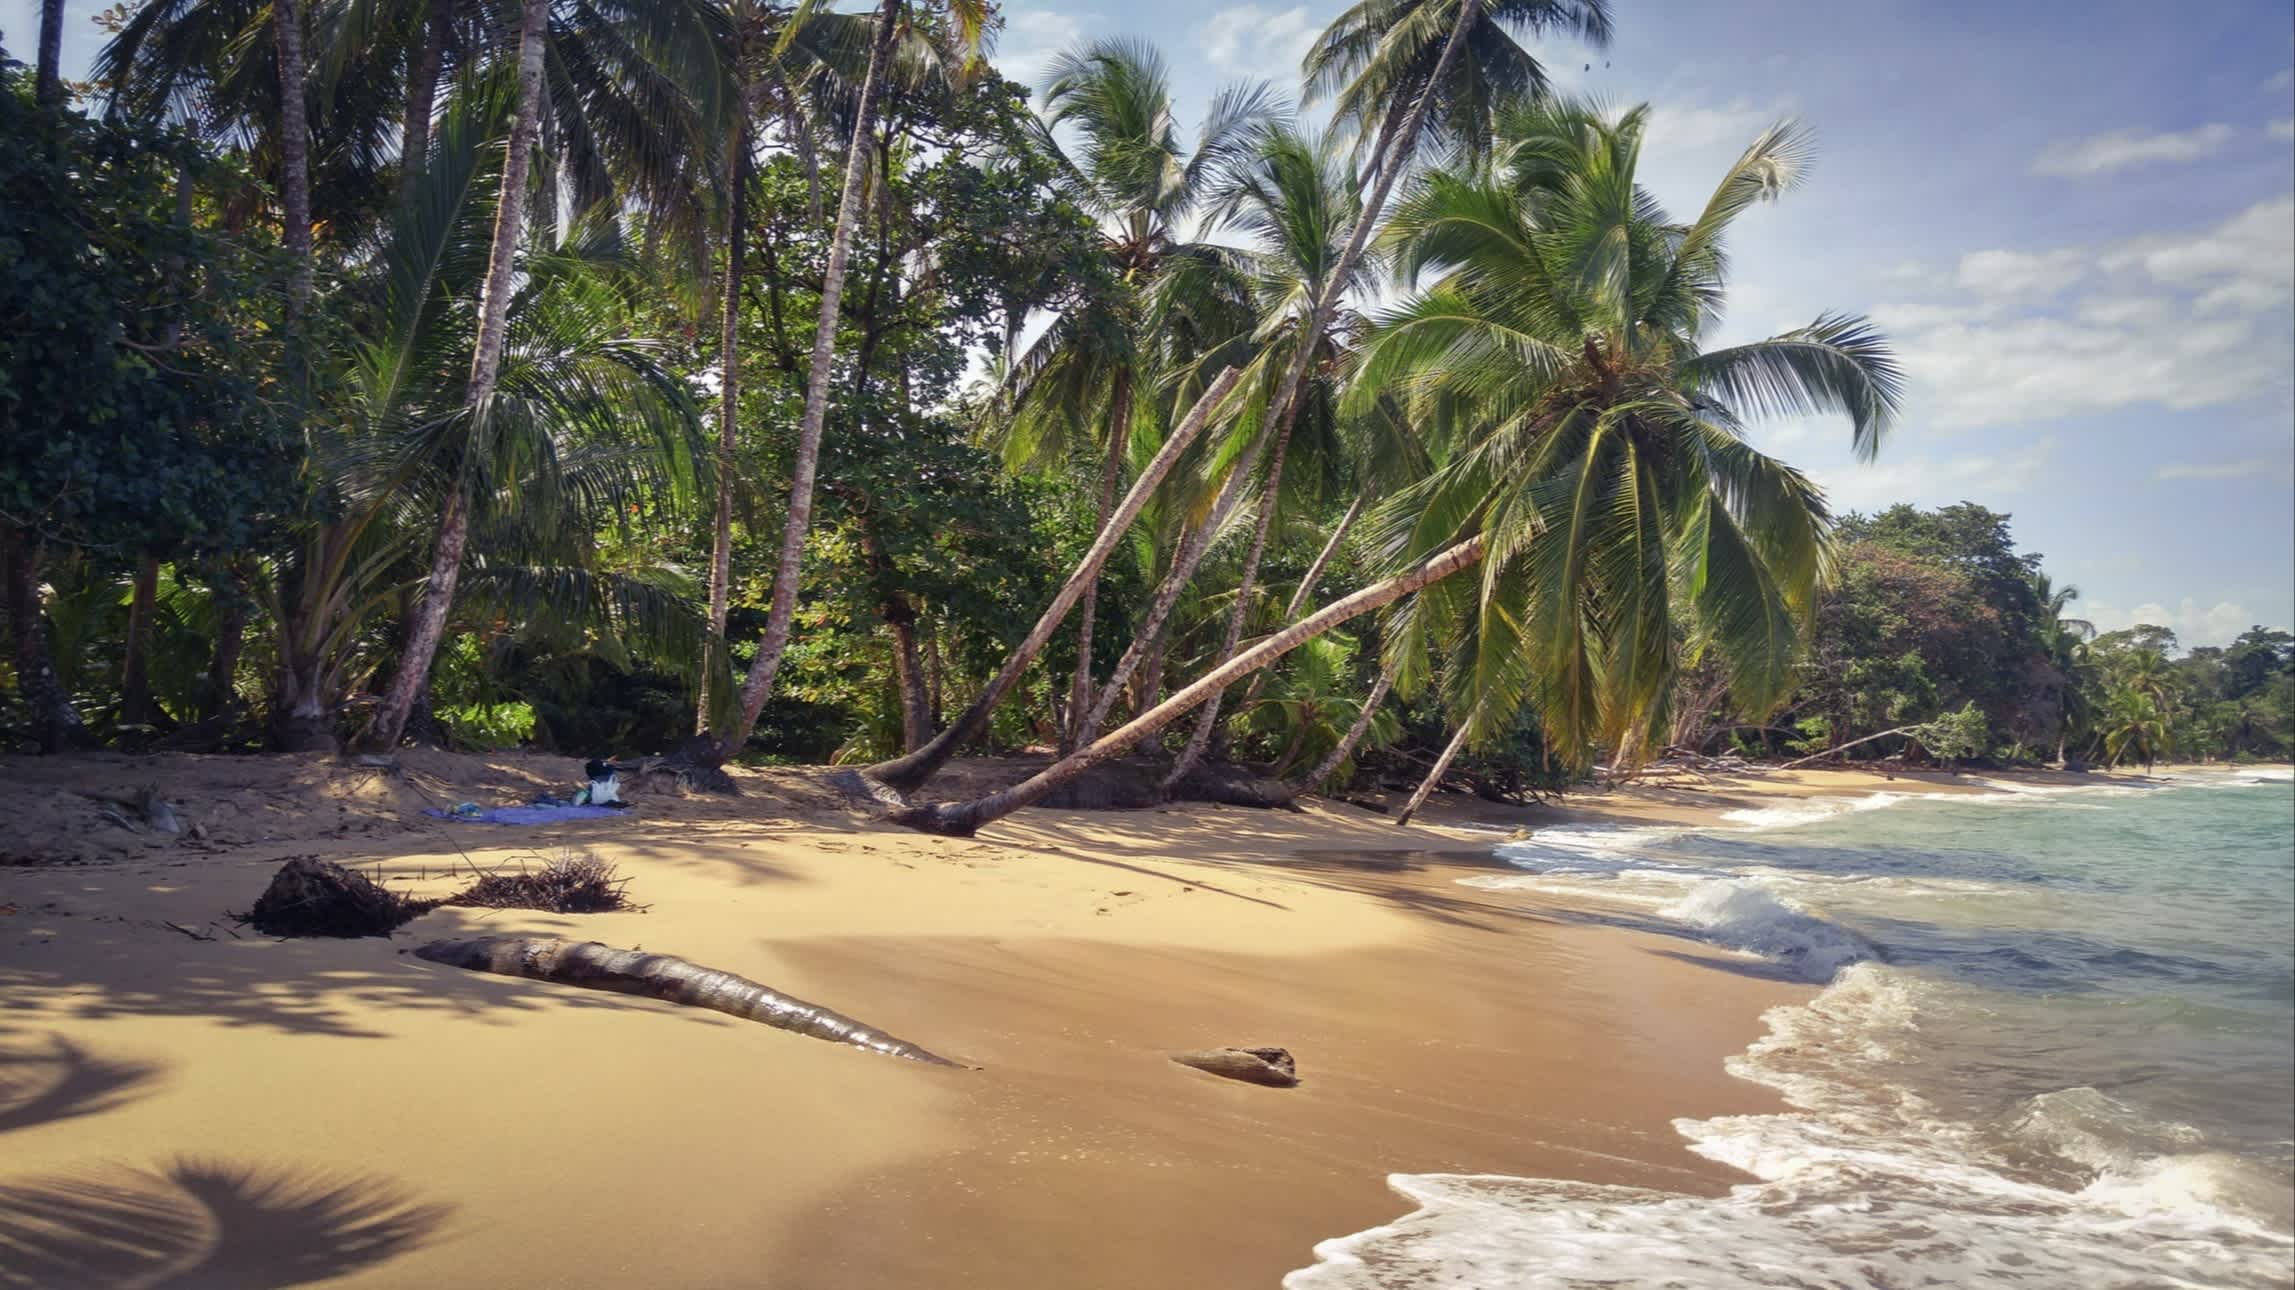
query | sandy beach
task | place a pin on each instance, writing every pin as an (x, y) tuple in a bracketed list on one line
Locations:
[(183, 1103)]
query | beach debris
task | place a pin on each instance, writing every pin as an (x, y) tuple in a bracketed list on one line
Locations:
[(573, 881), (314, 897), (1272, 1067), (695, 767), (150, 809), (670, 979)]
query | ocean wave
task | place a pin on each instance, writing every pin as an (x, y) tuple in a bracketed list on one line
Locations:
[(1737, 914), (1861, 1182)]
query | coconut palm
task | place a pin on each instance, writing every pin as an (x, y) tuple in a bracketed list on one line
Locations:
[(1599, 446), (582, 420), (1378, 58), (1075, 390), (1297, 203), (2134, 724), (412, 677), (969, 17), (795, 83), (1595, 469), (1411, 106)]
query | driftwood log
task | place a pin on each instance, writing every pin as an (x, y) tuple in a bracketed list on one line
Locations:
[(673, 980), (1270, 1066)]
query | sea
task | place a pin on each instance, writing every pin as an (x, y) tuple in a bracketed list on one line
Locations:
[(2055, 1047)]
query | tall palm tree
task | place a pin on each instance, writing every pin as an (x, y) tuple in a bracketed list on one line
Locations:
[(48, 82), (1297, 203), (969, 16), (1079, 384), (412, 677), (1601, 450), (583, 420), (771, 81), (1380, 57), (1412, 105), (1598, 465), (2064, 653)]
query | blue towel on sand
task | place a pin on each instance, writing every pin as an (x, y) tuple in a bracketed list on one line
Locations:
[(531, 814)]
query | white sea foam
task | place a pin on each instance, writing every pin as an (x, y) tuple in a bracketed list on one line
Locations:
[(1742, 916), (1860, 1183)]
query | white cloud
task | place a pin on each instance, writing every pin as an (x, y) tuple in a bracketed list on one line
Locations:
[(2217, 624), (1936, 481), (2283, 128), (2021, 273), (2183, 321), (2259, 242), (2210, 470), (1032, 38), (2101, 154), (2029, 369), (2283, 81), (1259, 41)]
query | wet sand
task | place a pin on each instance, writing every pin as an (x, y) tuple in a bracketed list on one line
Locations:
[(245, 1112)]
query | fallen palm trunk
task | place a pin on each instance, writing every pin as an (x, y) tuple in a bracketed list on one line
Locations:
[(673, 980)]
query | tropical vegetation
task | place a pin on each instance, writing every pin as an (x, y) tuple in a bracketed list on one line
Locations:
[(751, 381)]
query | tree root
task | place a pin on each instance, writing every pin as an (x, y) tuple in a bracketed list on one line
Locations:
[(673, 980)]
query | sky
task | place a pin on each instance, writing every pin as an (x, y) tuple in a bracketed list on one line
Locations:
[(2075, 221)]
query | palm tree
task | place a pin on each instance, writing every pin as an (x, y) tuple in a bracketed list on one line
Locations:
[(582, 421), (2134, 725), (48, 85), (1308, 714), (771, 79), (909, 771), (1597, 464), (1441, 83), (2064, 651), (1598, 443), (1380, 57), (429, 624), (1297, 204), (1083, 380), (970, 16)]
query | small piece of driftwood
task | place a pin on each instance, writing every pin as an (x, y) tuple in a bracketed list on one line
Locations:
[(1272, 1067)]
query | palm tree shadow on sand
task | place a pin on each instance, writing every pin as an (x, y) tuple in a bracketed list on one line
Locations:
[(60, 1080), (202, 1224)]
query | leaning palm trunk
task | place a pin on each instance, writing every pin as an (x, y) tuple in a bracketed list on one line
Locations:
[(294, 154), (413, 675), (910, 772), (1207, 721), (728, 409), (1306, 588), (1329, 766), (782, 611), (965, 818), (1433, 778), (1111, 476), (1193, 547), (1284, 409)]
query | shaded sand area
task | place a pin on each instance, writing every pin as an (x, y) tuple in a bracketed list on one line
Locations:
[(244, 1112)]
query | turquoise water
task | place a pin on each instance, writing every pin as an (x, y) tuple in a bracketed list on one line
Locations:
[(2056, 1047)]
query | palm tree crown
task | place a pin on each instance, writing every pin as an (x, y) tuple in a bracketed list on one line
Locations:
[(1591, 439)]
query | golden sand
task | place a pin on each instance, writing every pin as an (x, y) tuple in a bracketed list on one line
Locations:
[(242, 1112)]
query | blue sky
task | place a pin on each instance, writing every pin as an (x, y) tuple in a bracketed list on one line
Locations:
[(2075, 220)]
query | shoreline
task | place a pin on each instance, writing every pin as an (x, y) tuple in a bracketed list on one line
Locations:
[(536, 1135)]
